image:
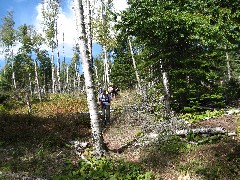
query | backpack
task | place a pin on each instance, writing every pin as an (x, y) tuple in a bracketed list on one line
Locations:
[(100, 90), (106, 97)]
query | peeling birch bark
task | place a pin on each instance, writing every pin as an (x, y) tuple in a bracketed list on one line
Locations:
[(88, 75)]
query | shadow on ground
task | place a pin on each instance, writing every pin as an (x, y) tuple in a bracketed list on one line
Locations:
[(30, 144), (220, 160)]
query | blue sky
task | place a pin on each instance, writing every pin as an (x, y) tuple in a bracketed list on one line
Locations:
[(24, 10), (29, 12)]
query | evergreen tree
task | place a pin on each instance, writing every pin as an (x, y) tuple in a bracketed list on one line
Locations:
[(184, 39)]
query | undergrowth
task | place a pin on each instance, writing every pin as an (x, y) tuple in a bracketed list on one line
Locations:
[(35, 145), (196, 117), (106, 169)]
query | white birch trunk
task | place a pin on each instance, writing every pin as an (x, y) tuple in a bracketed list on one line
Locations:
[(13, 74), (91, 98), (65, 68), (78, 82), (134, 65), (96, 73), (106, 68), (166, 92), (37, 81), (104, 48), (53, 78), (75, 77), (67, 79), (28, 103), (30, 83), (58, 60), (228, 65), (89, 29), (13, 78), (44, 83)]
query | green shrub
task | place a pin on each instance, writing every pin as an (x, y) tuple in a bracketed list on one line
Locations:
[(2, 108), (106, 169), (3, 97), (232, 90), (196, 117)]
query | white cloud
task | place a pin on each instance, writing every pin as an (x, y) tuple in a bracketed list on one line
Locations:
[(120, 5), (67, 25)]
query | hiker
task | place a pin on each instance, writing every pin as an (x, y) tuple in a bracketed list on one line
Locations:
[(114, 90), (105, 102), (99, 90), (110, 89)]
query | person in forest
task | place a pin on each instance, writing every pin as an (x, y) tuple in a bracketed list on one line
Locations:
[(110, 89), (100, 89), (114, 90), (105, 102)]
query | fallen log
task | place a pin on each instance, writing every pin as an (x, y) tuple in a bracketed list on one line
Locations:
[(208, 131)]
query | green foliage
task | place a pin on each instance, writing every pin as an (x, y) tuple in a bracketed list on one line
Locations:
[(2, 108), (174, 146), (199, 139), (4, 84), (107, 169), (196, 117), (122, 72), (7, 33), (212, 100), (3, 97), (232, 90), (189, 39)]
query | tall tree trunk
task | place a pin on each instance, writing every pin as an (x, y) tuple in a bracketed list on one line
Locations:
[(88, 75), (28, 103), (53, 74), (134, 65), (44, 83), (37, 81), (106, 67), (13, 73), (75, 76), (30, 83), (58, 59), (104, 44), (166, 91), (96, 73), (67, 80), (64, 69), (89, 29), (228, 65)]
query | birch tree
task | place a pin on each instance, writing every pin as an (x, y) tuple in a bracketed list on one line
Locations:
[(88, 75), (104, 34), (58, 59), (50, 10), (134, 65), (8, 40), (229, 74), (89, 28)]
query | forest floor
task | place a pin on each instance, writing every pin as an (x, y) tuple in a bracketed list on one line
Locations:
[(38, 146), (214, 160)]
